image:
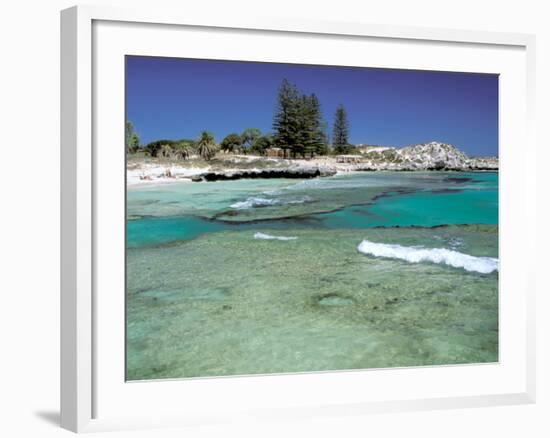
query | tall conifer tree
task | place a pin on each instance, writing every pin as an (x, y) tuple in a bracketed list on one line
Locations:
[(286, 121), (340, 132), (298, 123), (313, 126)]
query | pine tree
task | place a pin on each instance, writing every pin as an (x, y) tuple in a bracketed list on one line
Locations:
[(341, 131), (303, 137), (286, 121), (323, 147), (319, 128), (298, 123), (313, 137)]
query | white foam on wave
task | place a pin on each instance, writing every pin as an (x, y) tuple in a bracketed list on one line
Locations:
[(483, 265), (263, 236), (254, 202)]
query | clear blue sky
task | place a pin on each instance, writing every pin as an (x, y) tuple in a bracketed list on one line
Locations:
[(171, 98)]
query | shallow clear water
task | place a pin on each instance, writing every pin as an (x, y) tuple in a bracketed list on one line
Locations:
[(363, 200), (212, 290)]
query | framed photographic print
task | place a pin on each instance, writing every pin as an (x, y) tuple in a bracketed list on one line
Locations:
[(267, 219)]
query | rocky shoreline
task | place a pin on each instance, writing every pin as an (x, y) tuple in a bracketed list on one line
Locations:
[(432, 156), (302, 173), (426, 156)]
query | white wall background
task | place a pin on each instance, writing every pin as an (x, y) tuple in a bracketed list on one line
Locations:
[(29, 218)]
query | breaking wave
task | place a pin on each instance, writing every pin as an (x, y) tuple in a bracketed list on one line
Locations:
[(254, 202), (263, 236), (483, 265)]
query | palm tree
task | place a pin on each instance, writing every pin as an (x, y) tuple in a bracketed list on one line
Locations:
[(182, 151), (165, 151), (206, 146)]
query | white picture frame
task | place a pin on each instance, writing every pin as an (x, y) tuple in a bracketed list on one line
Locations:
[(85, 374)]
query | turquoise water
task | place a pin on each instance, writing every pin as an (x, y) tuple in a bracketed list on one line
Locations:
[(185, 211), (267, 276)]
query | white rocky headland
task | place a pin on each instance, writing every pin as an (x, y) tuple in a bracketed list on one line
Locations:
[(425, 156)]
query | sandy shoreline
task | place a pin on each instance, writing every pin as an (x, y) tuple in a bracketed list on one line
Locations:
[(162, 175), (151, 174), (152, 171)]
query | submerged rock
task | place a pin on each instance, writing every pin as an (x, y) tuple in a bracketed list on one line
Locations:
[(335, 300)]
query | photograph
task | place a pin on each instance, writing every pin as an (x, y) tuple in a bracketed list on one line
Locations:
[(298, 218)]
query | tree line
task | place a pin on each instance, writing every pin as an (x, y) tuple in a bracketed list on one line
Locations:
[(298, 130), (299, 126)]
